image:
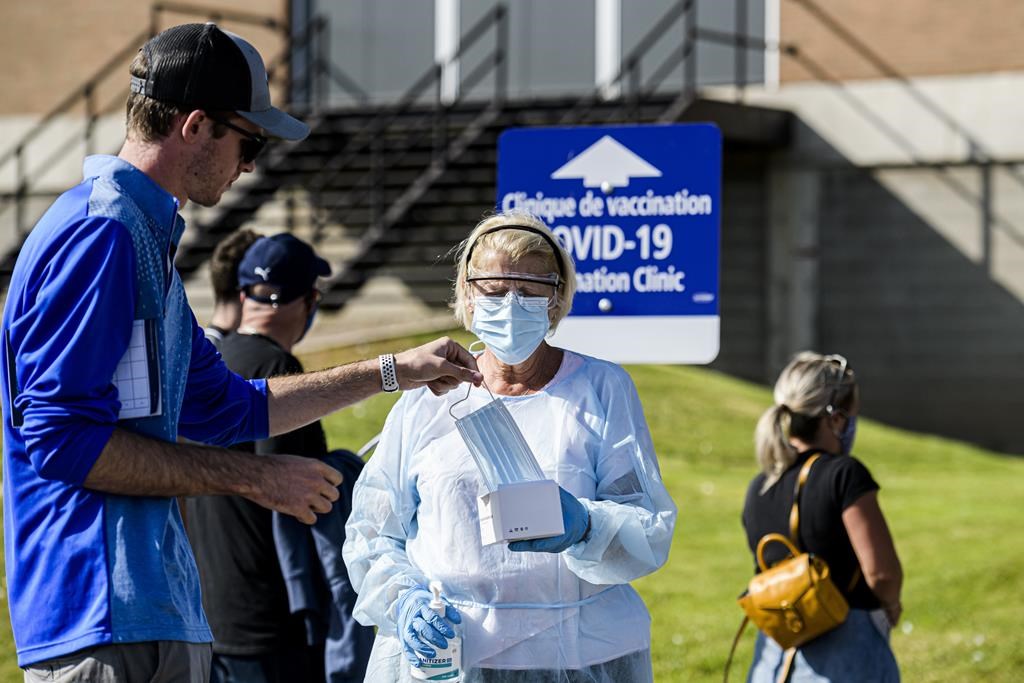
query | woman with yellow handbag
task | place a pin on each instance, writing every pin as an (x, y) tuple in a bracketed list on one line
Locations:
[(814, 493)]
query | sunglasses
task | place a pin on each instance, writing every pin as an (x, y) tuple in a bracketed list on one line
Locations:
[(252, 144), (841, 362)]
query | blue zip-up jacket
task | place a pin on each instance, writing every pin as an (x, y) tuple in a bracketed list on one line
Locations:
[(86, 568)]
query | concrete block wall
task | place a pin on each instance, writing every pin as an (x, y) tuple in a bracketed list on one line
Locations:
[(913, 37), (52, 47), (896, 237), (935, 337)]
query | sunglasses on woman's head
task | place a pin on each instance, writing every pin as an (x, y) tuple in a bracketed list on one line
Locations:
[(841, 362), (252, 144)]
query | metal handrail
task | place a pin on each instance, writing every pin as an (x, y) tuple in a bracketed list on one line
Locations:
[(365, 192), (26, 177), (371, 131), (75, 96), (629, 66), (131, 48)]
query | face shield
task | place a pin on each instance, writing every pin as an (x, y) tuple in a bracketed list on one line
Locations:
[(523, 285)]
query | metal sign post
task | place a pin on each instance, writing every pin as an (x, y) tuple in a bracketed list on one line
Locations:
[(638, 208)]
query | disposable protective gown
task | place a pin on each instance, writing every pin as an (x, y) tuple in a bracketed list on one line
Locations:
[(525, 616)]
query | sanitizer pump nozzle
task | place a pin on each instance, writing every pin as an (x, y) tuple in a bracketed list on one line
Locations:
[(446, 665), (437, 604)]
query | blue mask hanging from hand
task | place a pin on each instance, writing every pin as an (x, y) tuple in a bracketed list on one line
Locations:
[(847, 436), (511, 326)]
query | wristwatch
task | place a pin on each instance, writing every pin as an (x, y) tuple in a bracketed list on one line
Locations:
[(388, 374)]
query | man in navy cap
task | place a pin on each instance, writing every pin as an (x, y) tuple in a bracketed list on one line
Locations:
[(259, 635), (105, 368)]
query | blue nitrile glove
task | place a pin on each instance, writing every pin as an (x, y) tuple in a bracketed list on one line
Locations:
[(575, 519), (419, 627)]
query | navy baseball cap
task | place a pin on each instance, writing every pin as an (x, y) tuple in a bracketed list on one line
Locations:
[(285, 262), (203, 67)]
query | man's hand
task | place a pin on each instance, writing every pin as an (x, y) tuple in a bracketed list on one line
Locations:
[(296, 486), (441, 364)]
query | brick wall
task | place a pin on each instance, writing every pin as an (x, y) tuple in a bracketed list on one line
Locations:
[(914, 37), (48, 47)]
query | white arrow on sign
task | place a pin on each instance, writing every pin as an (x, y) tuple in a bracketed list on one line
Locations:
[(606, 163)]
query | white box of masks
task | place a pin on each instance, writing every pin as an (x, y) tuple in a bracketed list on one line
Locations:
[(519, 511)]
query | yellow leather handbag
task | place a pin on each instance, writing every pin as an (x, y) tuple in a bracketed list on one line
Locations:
[(795, 600)]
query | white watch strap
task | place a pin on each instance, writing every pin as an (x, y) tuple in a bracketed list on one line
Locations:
[(388, 373)]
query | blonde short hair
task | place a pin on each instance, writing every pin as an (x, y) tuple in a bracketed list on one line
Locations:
[(515, 245), (803, 394)]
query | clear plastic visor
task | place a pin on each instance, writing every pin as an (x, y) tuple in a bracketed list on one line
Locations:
[(523, 285), (527, 303)]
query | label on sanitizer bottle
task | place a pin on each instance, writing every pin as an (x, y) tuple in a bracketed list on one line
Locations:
[(446, 666)]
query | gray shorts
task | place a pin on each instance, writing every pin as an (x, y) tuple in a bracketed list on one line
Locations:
[(160, 661)]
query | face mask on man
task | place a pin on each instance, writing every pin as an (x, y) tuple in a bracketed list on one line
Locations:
[(511, 326), (847, 436), (309, 318)]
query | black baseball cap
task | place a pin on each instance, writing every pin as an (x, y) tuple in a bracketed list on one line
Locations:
[(203, 67), (284, 261)]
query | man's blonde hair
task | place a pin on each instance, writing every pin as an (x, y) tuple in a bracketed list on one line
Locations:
[(147, 120)]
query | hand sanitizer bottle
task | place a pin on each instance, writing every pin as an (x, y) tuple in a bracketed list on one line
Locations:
[(447, 664)]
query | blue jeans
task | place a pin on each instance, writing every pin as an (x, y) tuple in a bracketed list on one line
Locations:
[(855, 651)]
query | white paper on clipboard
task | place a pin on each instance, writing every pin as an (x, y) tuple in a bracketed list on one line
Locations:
[(137, 376)]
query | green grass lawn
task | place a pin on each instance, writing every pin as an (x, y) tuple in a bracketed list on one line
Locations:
[(953, 510)]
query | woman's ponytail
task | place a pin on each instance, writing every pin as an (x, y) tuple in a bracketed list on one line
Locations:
[(771, 442)]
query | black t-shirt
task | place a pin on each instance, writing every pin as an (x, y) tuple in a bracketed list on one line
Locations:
[(835, 483), (243, 591)]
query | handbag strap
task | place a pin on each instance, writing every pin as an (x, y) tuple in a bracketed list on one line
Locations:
[(787, 665), (772, 538), (794, 527), (732, 650), (794, 513), (787, 661)]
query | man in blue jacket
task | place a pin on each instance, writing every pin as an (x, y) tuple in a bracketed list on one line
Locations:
[(105, 368)]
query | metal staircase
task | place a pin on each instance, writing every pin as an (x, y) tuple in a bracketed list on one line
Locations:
[(71, 129), (391, 189), (400, 186)]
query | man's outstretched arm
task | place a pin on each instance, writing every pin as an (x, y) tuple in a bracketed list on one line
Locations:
[(297, 400)]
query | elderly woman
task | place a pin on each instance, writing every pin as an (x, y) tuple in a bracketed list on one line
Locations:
[(840, 521), (551, 609)]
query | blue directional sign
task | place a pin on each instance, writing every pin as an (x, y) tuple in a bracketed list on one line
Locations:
[(638, 208)]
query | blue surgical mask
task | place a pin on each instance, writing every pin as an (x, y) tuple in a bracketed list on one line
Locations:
[(309, 320), (511, 326), (497, 445), (847, 436)]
